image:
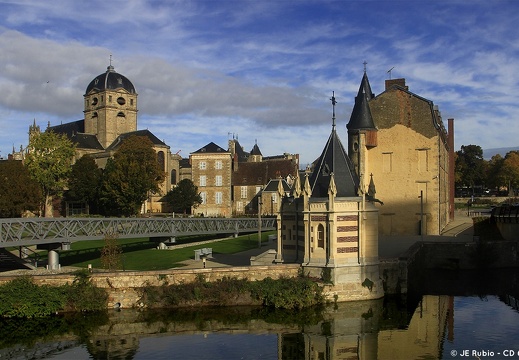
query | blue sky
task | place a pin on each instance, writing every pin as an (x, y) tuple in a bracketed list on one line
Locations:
[(263, 70)]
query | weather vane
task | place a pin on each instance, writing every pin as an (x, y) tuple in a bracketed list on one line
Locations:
[(333, 106)]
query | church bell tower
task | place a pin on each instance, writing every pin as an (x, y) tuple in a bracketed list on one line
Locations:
[(110, 106)]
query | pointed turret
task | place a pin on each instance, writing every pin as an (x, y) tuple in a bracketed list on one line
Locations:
[(361, 118), (334, 159)]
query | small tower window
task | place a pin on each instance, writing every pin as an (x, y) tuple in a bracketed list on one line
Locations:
[(121, 100), (94, 115), (121, 114), (94, 101), (320, 236)]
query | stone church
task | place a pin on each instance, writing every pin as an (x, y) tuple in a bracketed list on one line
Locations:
[(110, 116)]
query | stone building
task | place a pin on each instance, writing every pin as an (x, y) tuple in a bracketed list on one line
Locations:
[(398, 141), (251, 175), (330, 228), (110, 116), (211, 173)]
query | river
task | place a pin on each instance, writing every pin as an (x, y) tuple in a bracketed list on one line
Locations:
[(463, 323)]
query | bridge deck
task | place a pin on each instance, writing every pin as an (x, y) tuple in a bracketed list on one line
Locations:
[(33, 231)]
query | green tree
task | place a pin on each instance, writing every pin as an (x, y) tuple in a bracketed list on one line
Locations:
[(49, 162), (470, 166), (18, 192), (183, 196), (84, 182), (130, 176), (495, 178)]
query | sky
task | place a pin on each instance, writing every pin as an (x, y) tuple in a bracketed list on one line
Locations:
[(261, 71)]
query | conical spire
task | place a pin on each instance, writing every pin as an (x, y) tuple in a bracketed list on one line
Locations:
[(361, 115), (334, 159)]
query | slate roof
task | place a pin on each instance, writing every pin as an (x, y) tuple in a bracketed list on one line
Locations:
[(272, 186), (110, 80), (210, 148), (334, 159), (242, 155), (75, 132), (255, 150), (361, 118), (146, 133)]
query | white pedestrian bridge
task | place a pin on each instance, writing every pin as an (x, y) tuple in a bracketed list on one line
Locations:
[(57, 233)]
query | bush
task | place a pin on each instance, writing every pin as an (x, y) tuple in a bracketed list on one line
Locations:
[(22, 298), (82, 295), (287, 293)]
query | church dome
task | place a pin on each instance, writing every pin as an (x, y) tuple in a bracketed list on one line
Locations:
[(110, 80)]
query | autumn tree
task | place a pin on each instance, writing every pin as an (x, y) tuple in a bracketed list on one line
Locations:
[(130, 177), (510, 169), (84, 182), (183, 196), (18, 192), (49, 162)]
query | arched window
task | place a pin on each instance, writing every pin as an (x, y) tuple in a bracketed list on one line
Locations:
[(160, 158), (173, 177), (320, 236), (121, 114)]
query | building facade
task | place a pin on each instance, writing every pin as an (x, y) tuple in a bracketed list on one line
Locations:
[(398, 141), (332, 230), (211, 173)]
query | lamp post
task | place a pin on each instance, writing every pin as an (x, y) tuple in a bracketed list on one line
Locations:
[(421, 214), (259, 220)]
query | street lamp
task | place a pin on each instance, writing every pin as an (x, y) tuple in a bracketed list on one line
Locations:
[(259, 219)]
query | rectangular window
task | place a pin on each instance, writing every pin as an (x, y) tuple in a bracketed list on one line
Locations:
[(203, 195), (218, 197), (423, 165), (387, 165), (274, 198), (203, 180), (218, 165), (258, 189), (201, 165), (218, 180), (243, 191), (239, 206)]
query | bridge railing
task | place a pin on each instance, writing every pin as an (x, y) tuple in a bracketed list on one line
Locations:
[(31, 231)]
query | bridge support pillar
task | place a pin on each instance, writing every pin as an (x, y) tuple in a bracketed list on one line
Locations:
[(53, 260)]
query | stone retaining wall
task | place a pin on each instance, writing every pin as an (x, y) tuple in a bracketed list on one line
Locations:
[(123, 287)]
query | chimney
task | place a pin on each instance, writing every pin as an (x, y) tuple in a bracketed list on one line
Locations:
[(399, 82)]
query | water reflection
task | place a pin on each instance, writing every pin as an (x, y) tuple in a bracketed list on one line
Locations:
[(416, 327)]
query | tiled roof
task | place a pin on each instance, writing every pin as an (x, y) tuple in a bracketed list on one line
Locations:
[(259, 173)]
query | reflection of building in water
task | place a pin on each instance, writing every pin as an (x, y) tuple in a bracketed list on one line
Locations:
[(424, 335), (354, 331)]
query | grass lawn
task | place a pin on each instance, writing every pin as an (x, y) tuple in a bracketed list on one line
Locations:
[(142, 254)]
